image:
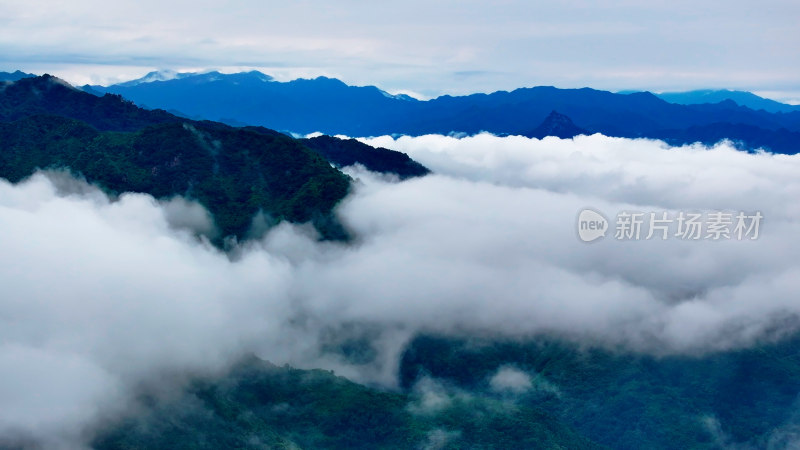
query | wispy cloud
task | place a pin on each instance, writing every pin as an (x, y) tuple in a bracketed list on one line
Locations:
[(102, 296)]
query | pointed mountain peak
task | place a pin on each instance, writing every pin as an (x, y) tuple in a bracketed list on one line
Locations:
[(559, 125), (556, 116)]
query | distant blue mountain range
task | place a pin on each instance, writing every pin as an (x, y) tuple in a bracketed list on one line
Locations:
[(742, 98), (332, 107), (14, 76)]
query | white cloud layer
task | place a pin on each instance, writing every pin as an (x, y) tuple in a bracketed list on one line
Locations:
[(101, 297)]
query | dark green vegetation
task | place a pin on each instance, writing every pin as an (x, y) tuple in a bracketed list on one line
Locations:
[(47, 95), (346, 152), (629, 401), (258, 405), (578, 398), (235, 173)]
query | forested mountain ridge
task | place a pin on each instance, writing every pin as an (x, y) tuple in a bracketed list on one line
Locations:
[(234, 173), (259, 405)]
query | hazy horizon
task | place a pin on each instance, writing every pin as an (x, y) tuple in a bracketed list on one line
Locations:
[(770, 95)]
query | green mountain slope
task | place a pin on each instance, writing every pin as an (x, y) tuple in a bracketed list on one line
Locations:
[(346, 152), (234, 173), (258, 405), (633, 401), (575, 397), (49, 95)]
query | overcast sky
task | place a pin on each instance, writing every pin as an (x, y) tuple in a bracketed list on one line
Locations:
[(423, 46)]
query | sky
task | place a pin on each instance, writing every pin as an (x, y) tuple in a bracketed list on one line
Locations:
[(103, 296), (421, 47)]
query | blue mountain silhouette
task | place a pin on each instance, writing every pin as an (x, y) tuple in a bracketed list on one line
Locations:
[(332, 107)]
